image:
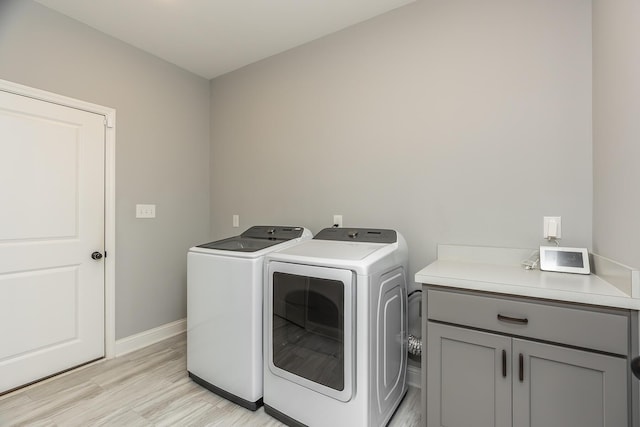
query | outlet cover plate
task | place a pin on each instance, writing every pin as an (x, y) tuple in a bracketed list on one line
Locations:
[(547, 221)]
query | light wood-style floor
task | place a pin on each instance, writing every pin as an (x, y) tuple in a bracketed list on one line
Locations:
[(149, 387)]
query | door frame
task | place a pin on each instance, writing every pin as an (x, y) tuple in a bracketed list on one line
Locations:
[(109, 195)]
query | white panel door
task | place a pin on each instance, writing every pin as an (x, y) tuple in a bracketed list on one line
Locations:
[(51, 221)]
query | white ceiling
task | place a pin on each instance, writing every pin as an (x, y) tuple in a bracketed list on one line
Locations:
[(212, 37)]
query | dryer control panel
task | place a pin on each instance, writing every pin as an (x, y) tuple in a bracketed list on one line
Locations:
[(368, 235)]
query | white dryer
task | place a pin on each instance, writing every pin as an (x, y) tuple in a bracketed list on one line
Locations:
[(336, 329), (224, 311)]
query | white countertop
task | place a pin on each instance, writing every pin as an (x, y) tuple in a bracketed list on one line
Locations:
[(457, 270)]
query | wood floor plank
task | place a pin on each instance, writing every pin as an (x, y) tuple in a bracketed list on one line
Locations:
[(14, 406), (409, 412), (148, 387)]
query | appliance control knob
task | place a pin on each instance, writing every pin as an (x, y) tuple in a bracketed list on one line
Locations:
[(353, 234), (271, 231)]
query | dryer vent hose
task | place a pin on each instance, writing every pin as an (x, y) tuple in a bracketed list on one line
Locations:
[(415, 345)]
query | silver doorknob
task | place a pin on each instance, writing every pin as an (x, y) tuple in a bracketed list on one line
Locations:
[(96, 255)]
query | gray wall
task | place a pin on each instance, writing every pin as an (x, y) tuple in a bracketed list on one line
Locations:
[(458, 122), (162, 143), (616, 134), (453, 122)]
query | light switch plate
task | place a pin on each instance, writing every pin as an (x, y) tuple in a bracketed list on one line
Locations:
[(145, 211)]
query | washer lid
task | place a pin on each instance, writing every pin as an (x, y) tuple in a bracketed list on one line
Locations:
[(241, 244), (256, 238)]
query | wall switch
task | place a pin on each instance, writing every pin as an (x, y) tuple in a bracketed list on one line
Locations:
[(552, 227), (236, 220), (145, 211), (337, 220)]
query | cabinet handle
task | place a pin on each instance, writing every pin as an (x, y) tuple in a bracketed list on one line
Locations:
[(518, 320), (504, 364), (521, 367)]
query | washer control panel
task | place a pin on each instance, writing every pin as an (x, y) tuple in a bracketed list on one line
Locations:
[(272, 232)]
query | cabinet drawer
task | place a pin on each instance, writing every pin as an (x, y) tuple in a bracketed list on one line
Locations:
[(601, 330)]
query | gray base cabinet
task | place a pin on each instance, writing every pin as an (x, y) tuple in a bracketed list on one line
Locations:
[(465, 385), (567, 387), (512, 377)]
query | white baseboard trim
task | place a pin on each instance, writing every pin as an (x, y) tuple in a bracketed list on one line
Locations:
[(152, 336), (414, 376)]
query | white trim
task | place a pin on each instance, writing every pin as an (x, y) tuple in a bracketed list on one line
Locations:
[(110, 237), (109, 195), (152, 336), (414, 376), (55, 98)]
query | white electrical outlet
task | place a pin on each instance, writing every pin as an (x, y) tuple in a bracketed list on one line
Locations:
[(552, 228), (145, 211), (337, 220), (236, 220)]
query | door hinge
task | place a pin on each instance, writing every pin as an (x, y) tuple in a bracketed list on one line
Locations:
[(109, 121)]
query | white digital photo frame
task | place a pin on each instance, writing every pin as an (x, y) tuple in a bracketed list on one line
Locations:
[(564, 260)]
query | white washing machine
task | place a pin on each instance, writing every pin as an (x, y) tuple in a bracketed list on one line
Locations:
[(224, 311), (336, 329)]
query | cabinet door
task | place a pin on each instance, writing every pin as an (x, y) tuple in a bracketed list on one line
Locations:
[(562, 387), (465, 382)]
